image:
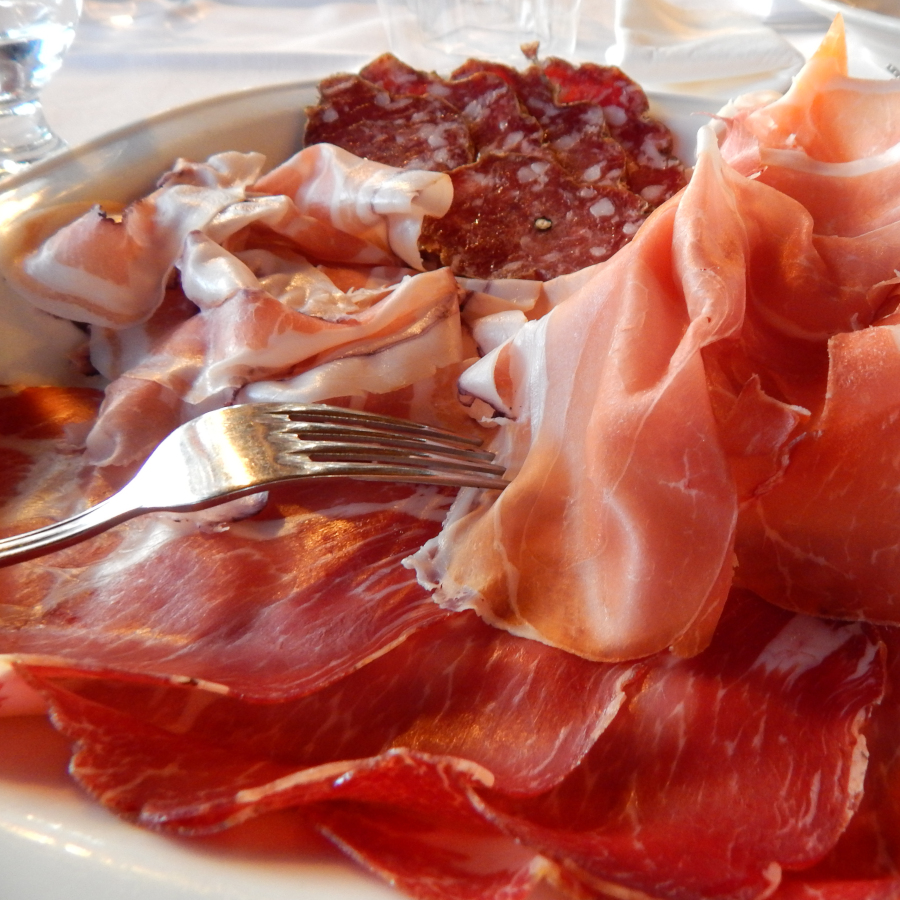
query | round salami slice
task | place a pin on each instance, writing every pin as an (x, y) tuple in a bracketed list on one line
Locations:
[(407, 131), (487, 103), (518, 216), (496, 119), (653, 170), (576, 133), (397, 77)]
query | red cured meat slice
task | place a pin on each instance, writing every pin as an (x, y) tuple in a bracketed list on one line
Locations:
[(722, 769), (803, 889), (35, 422), (521, 713), (576, 133), (567, 100), (490, 108), (273, 607), (416, 132), (693, 760), (432, 859), (396, 77), (654, 171), (865, 862), (307, 591), (837, 551), (487, 103), (549, 225)]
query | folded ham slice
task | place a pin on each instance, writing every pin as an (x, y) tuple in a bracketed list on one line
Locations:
[(113, 271), (615, 538)]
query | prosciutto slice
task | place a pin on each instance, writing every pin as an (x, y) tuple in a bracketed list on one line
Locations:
[(622, 494), (821, 333), (113, 272)]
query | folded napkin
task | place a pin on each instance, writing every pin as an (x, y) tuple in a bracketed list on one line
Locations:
[(709, 48)]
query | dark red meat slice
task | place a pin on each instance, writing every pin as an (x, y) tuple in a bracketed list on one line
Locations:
[(488, 105), (416, 132), (515, 216), (429, 857), (866, 859), (396, 77), (717, 770), (576, 133), (491, 109), (307, 591), (723, 768), (525, 712), (654, 171)]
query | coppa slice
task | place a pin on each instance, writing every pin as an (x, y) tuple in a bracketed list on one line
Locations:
[(275, 606), (469, 752), (722, 770)]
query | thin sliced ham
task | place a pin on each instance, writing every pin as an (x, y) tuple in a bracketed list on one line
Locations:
[(621, 493), (379, 203), (113, 272), (253, 336), (821, 333)]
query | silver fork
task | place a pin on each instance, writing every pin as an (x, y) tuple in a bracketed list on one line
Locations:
[(244, 449)]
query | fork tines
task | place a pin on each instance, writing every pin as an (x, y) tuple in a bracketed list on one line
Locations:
[(383, 448)]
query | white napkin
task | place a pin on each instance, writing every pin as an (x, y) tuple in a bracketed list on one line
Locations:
[(710, 48)]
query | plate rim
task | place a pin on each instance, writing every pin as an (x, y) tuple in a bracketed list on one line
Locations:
[(130, 130)]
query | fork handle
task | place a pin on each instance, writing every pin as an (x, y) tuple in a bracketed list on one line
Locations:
[(76, 528)]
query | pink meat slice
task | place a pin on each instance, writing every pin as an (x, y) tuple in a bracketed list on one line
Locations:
[(833, 117), (113, 272), (206, 359), (820, 333), (723, 770), (367, 200), (611, 439)]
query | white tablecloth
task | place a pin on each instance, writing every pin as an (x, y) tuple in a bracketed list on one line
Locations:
[(113, 77)]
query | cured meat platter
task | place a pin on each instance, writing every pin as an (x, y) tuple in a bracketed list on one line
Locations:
[(644, 623)]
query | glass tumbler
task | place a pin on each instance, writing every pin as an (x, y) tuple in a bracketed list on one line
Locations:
[(442, 33), (34, 37)]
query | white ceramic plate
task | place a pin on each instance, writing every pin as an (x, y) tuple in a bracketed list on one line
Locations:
[(56, 844)]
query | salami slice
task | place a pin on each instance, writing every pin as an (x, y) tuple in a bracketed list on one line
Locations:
[(531, 215), (406, 131), (654, 171)]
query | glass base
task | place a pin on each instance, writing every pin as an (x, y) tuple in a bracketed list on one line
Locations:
[(25, 136)]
